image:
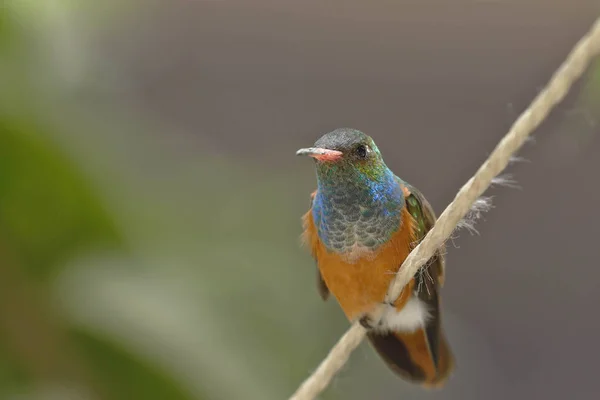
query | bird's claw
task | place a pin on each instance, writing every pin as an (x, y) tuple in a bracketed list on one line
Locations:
[(367, 322)]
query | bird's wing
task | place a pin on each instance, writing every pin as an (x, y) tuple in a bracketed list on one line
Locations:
[(312, 239), (420, 209), (430, 277)]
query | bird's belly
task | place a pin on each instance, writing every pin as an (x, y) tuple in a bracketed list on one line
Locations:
[(359, 285), (361, 282)]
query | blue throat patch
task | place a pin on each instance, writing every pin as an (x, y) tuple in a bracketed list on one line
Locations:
[(357, 210)]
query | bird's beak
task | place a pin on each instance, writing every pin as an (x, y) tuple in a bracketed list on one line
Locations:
[(320, 153)]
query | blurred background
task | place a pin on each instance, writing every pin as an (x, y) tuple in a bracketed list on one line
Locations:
[(150, 199)]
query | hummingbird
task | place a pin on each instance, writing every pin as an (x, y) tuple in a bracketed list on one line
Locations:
[(362, 223)]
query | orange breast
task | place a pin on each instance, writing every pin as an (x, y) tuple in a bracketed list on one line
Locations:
[(360, 285)]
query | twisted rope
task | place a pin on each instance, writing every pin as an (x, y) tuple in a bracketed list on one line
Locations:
[(571, 69)]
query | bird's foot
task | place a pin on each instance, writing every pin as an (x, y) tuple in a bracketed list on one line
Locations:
[(367, 320)]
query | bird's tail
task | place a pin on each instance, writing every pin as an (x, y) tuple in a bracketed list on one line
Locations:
[(421, 356)]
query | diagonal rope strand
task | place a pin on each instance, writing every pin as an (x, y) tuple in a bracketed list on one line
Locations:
[(572, 68)]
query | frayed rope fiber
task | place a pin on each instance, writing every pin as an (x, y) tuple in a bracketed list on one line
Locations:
[(572, 68)]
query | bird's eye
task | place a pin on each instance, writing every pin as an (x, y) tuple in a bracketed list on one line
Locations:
[(362, 151)]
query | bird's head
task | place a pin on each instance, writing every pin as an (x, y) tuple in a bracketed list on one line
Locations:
[(346, 154)]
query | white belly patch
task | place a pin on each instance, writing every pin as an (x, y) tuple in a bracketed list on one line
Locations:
[(413, 316)]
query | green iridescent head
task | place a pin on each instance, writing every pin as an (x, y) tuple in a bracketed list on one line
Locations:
[(345, 153)]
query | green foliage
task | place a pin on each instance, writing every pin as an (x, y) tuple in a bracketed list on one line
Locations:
[(51, 214), (124, 375), (48, 212)]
